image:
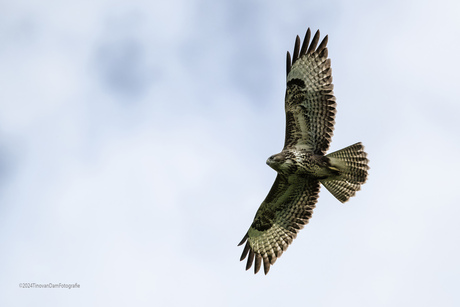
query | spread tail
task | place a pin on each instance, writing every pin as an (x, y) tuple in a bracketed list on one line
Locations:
[(351, 162)]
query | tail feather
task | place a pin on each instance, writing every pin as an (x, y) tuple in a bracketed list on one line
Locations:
[(352, 163)]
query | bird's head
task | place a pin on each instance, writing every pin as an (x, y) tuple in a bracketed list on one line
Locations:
[(279, 162)]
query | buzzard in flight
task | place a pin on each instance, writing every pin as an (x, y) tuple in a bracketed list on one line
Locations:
[(303, 163)]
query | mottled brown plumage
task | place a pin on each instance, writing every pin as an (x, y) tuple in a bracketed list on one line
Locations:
[(302, 164)]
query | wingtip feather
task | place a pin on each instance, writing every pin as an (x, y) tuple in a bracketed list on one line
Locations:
[(246, 236), (246, 249), (295, 56), (257, 263), (314, 42), (266, 265), (323, 44), (288, 63), (305, 43), (250, 259)]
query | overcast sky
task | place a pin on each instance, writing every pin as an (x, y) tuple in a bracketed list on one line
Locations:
[(134, 135)]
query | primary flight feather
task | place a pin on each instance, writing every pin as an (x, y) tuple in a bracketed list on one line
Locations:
[(303, 163)]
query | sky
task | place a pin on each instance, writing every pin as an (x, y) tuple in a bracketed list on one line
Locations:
[(134, 135)]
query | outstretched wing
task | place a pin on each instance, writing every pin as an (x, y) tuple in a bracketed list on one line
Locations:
[(286, 209), (310, 102)]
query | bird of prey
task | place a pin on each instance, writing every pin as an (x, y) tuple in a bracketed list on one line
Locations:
[(303, 163)]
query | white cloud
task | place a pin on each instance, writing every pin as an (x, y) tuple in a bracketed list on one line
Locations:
[(140, 189)]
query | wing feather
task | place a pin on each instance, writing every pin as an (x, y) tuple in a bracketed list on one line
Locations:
[(250, 259), (288, 63), (286, 209), (295, 56), (314, 42), (322, 45), (306, 41), (246, 249), (310, 101)]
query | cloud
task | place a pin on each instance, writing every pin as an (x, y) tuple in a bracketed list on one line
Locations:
[(134, 138)]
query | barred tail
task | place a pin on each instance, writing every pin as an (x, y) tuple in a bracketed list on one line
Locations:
[(352, 163)]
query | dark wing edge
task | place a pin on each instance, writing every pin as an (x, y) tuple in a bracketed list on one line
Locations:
[(312, 77), (307, 48), (286, 209)]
